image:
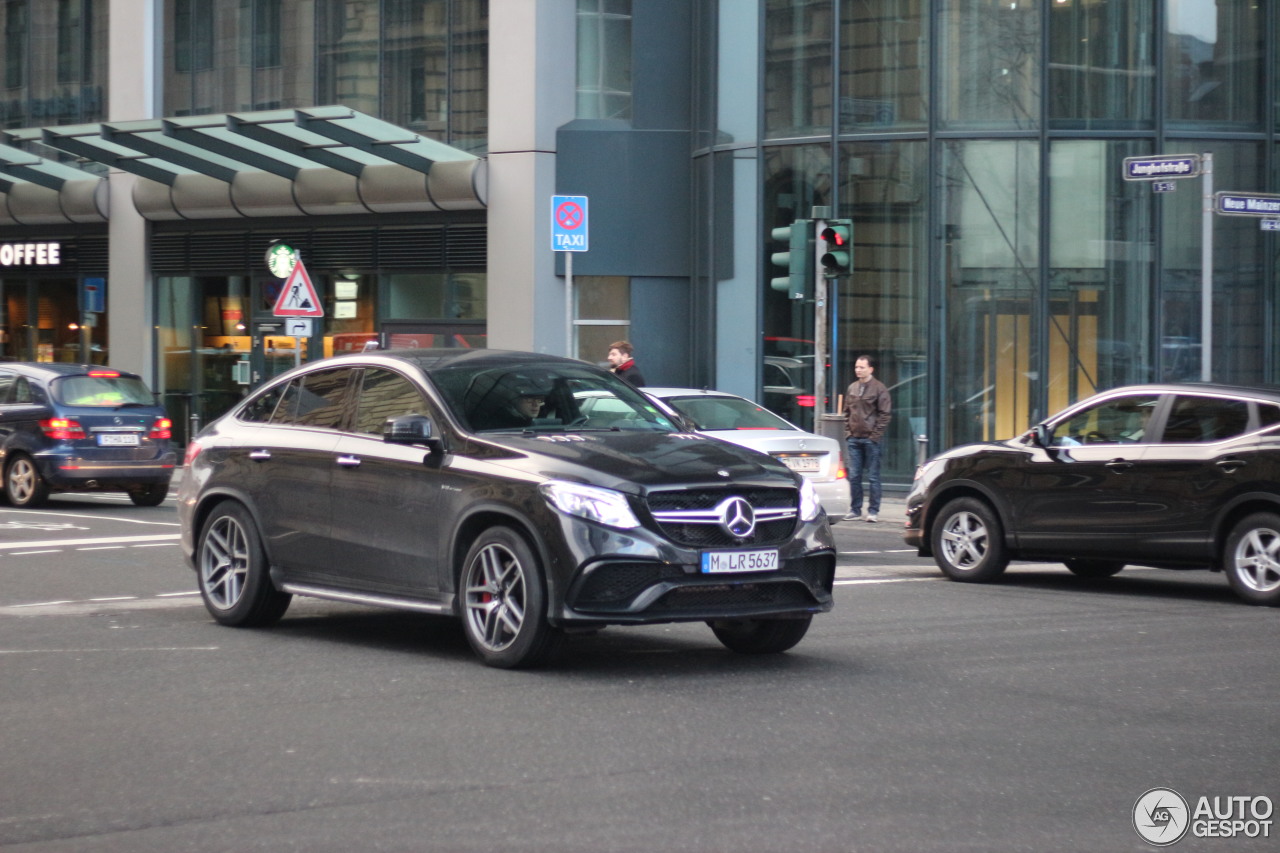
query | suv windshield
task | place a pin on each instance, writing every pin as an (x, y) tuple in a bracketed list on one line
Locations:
[(545, 397), (711, 413), (105, 391)]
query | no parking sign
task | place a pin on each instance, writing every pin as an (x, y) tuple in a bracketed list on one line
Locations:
[(568, 223)]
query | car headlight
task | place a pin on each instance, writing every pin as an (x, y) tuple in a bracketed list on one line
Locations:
[(604, 506), (810, 506)]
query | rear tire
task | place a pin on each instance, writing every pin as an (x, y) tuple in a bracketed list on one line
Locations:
[(1093, 569), (152, 494), (760, 636), (1251, 559), (504, 602), (968, 542), (232, 568), (23, 485)]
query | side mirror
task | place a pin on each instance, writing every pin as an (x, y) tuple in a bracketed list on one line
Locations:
[(1039, 435), (412, 429)]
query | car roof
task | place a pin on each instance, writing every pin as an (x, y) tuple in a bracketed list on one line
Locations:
[(1270, 393), (55, 369), (688, 392), (435, 359)]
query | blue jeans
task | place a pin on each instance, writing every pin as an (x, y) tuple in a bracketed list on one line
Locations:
[(864, 455)]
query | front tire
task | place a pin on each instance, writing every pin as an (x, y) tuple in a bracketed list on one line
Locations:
[(232, 567), (1093, 569), (760, 636), (968, 542), (504, 602), (1251, 559), (23, 485)]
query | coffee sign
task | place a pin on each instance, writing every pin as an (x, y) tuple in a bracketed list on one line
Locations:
[(30, 254)]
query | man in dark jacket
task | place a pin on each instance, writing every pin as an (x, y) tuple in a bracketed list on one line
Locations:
[(867, 409), (622, 357)]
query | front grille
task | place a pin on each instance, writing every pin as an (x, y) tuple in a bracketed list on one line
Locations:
[(710, 599), (614, 585), (688, 517)]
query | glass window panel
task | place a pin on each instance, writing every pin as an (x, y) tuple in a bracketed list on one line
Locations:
[(1101, 65), (1240, 290), (348, 39), (989, 64), (604, 59), (1100, 256), (469, 76), (603, 297), (882, 308), (990, 209), (385, 395), (736, 89), (884, 66), (1213, 62), (415, 65), (797, 67)]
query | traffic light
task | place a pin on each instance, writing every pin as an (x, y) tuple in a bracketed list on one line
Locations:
[(797, 261), (837, 255)]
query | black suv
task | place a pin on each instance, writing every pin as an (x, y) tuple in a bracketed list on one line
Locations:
[(1170, 476), (81, 428), (470, 482)]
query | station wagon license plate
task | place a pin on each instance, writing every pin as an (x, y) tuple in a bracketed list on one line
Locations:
[(720, 562), (118, 439), (802, 463)]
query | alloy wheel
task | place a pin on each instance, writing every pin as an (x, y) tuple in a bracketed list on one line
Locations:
[(964, 540), (23, 479), (1257, 560), (496, 597), (224, 563)]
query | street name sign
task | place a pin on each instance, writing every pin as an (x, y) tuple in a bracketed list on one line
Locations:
[(1247, 204), (1162, 167)]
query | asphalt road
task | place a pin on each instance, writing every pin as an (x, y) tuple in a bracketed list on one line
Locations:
[(920, 715)]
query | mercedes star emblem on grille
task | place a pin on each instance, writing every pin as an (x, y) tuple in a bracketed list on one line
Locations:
[(737, 517)]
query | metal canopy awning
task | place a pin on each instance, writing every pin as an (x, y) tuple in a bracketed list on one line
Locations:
[(38, 191), (313, 161)]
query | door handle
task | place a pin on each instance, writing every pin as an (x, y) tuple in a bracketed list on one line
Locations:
[(1119, 465), (259, 455), (349, 461), (1230, 466)]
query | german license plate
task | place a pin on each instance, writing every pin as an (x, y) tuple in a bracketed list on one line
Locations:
[(802, 463), (721, 562), (118, 439)]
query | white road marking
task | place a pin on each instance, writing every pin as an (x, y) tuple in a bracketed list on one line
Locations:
[(91, 517), (97, 540), (132, 649), (857, 581)]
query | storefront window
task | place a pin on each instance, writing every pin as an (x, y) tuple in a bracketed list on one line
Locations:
[(40, 320), (797, 68), (603, 314), (991, 213), (797, 178), (1101, 264), (882, 306), (436, 296), (1241, 292), (1213, 63), (884, 66), (1101, 64), (989, 64)]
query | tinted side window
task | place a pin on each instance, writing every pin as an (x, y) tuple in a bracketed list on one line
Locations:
[(6, 385), (1268, 415), (1201, 419), (383, 395), (322, 398), (260, 409), (21, 391), (1121, 420)]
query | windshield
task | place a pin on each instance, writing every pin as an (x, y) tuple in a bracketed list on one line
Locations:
[(106, 391), (549, 397), (711, 413)]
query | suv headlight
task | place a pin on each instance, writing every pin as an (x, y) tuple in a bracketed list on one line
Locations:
[(604, 506), (810, 506)]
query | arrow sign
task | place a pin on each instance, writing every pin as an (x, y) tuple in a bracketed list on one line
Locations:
[(298, 296)]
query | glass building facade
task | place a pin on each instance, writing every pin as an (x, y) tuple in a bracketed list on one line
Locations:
[(1002, 265)]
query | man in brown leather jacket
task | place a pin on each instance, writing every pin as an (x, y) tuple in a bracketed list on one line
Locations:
[(867, 409)]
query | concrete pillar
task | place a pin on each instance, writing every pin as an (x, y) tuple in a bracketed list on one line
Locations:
[(133, 48), (532, 61)]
